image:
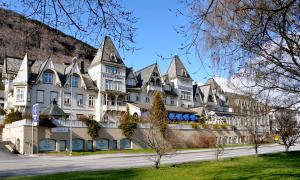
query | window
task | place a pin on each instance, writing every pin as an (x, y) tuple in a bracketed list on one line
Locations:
[(48, 77), (40, 96), (108, 84), (20, 94), (53, 96), (165, 99), (118, 85), (74, 81), (91, 101), (91, 117), (137, 98), (131, 82), (147, 99), (112, 70), (67, 99), (172, 100), (128, 98), (186, 95), (79, 99)]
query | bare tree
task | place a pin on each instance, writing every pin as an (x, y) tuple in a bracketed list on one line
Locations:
[(162, 147), (287, 127), (258, 38), (156, 137), (82, 18), (219, 148)]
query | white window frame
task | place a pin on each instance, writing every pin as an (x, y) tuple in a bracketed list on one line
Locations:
[(91, 101), (20, 94), (38, 100), (48, 77), (79, 100), (67, 99), (74, 81), (51, 96)]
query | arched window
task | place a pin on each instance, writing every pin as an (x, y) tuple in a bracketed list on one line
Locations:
[(183, 73), (155, 74), (75, 80), (125, 144), (158, 83), (210, 98), (48, 77), (102, 144)]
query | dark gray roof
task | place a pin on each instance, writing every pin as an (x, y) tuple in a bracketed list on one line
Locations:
[(105, 52), (144, 74), (90, 84), (147, 106), (175, 69), (53, 110), (36, 67)]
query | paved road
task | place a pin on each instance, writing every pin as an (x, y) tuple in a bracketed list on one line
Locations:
[(24, 165)]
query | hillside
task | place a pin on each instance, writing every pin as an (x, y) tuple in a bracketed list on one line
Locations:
[(19, 34)]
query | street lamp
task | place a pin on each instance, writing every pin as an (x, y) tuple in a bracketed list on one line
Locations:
[(71, 101)]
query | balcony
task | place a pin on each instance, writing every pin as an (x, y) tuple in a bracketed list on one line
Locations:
[(114, 107), (153, 88)]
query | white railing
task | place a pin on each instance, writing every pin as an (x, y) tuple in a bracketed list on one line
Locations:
[(23, 122), (66, 123), (154, 88), (114, 108), (110, 125)]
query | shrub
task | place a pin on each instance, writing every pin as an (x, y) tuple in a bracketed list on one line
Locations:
[(195, 125), (216, 126), (27, 116), (128, 123), (12, 117), (233, 128), (93, 128), (205, 125), (2, 112), (224, 126)]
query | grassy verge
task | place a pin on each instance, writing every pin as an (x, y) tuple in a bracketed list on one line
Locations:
[(131, 151), (280, 165)]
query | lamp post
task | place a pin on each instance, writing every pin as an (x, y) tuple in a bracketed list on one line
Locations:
[(71, 101)]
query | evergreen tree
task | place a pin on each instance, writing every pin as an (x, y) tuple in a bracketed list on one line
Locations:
[(158, 113)]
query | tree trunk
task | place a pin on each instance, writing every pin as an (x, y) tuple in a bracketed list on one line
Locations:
[(256, 150), (157, 160), (287, 147)]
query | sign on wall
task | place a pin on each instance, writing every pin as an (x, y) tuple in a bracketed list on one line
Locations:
[(125, 144), (102, 144), (47, 145), (60, 129), (77, 144)]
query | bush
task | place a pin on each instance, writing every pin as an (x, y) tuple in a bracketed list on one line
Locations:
[(233, 128), (93, 128), (2, 112), (216, 126), (202, 140), (205, 125), (12, 117), (128, 123), (195, 125), (224, 126)]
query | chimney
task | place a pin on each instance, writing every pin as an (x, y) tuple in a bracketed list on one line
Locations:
[(82, 66)]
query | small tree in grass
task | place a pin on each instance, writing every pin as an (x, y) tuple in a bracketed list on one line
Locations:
[(257, 133), (156, 137), (219, 147), (287, 128)]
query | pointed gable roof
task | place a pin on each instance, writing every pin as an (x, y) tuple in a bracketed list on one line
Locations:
[(107, 52), (145, 74), (176, 69), (23, 73)]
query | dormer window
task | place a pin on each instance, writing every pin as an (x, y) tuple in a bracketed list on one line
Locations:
[(183, 72), (74, 81), (155, 74), (113, 57), (48, 77)]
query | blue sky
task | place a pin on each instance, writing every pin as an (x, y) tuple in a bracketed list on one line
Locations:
[(156, 35)]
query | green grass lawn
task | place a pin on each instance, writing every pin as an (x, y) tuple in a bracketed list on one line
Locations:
[(280, 166)]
